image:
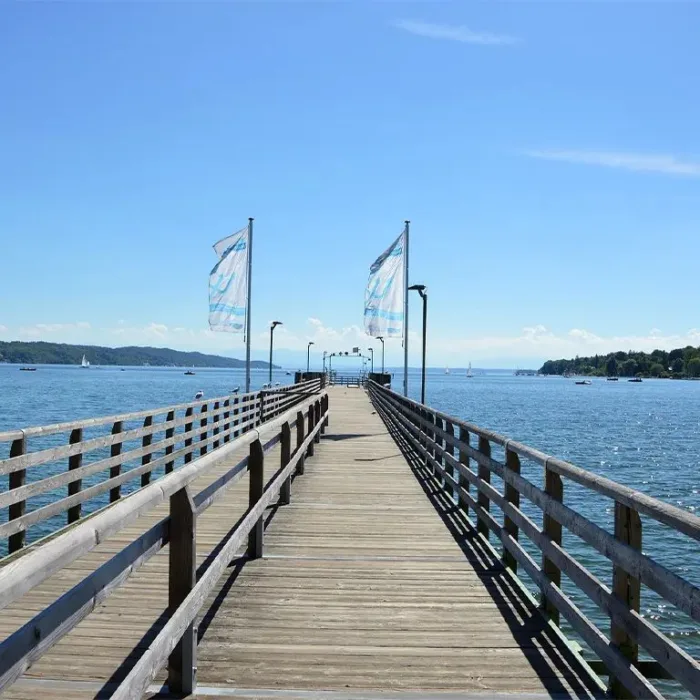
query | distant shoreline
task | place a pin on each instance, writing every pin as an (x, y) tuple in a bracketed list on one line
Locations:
[(43, 353)]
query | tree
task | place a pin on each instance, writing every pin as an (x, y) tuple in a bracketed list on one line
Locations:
[(611, 366), (657, 369), (675, 354), (693, 367), (677, 366), (628, 368)]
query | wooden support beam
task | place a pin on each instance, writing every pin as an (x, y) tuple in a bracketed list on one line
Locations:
[(256, 462), (300, 440), (115, 450), (146, 442), (182, 576), (285, 456), (75, 462), (554, 487), (627, 589), (512, 496), (17, 510), (484, 475)]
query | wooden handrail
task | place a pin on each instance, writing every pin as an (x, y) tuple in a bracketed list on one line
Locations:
[(176, 642), (432, 435), (158, 431)]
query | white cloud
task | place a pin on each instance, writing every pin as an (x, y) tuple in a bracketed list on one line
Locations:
[(637, 162), (3, 329), (39, 330), (453, 33)]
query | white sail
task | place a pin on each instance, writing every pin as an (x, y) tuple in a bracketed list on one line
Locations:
[(84, 362), (469, 370)]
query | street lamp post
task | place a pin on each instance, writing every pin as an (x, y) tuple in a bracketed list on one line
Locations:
[(422, 290), (308, 355), (372, 351), (379, 337), (273, 325), (325, 352)]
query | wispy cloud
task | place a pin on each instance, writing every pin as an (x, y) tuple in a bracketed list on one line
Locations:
[(638, 162), (450, 32)]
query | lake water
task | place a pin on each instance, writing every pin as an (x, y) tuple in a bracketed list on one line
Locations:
[(644, 435)]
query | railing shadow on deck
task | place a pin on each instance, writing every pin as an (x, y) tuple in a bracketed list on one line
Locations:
[(552, 657), (440, 450)]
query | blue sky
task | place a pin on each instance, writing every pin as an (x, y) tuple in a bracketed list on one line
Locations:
[(547, 154)]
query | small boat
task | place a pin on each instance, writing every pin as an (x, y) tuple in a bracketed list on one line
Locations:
[(289, 374), (584, 382), (189, 372), (469, 371), (447, 370), (84, 363), (612, 379), (27, 369), (635, 380), (199, 395)]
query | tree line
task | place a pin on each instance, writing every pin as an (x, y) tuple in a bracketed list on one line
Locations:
[(43, 353), (681, 363)]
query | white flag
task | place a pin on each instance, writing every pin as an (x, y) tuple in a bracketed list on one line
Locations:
[(384, 298), (228, 284), (220, 247)]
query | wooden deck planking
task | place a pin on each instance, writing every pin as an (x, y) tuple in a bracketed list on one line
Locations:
[(362, 587)]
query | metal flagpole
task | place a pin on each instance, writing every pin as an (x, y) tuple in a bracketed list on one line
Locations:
[(405, 312), (247, 312)]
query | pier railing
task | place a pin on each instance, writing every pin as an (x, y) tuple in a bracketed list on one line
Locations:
[(176, 643), (57, 474), (459, 454)]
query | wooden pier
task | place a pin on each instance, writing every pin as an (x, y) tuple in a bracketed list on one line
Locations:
[(319, 553)]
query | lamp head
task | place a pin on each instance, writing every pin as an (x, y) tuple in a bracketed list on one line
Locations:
[(275, 324)]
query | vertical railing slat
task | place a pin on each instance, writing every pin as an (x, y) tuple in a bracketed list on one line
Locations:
[(115, 493), (554, 487), (17, 510), (203, 434), (169, 433), (484, 474), (627, 589), (74, 487), (146, 459), (512, 496)]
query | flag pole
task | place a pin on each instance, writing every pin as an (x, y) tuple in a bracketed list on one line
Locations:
[(247, 311), (405, 312)]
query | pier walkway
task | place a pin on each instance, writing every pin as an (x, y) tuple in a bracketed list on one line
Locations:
[(371, 584)]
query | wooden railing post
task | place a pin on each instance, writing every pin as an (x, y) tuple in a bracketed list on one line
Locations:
[(317, 420), (215, 429), (256, 462), (261, 411), (430, 436), (484, 474), (169, 433), (145, 442), (189, 411), (75, 462), (182, 576), (627, 589), (437, 442), (554, 487), (203, 435), (236, 432), (324, 411), (227, 423), (115, 450), (312, 419), (450, 450), (285, 456), (17, 510), (512, 496), (300, 440)]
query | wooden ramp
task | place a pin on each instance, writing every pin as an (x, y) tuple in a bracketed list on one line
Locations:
[(370, 587)]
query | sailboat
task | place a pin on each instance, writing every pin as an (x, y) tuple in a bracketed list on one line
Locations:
[(84, 363), (447, 370), (469, 371)]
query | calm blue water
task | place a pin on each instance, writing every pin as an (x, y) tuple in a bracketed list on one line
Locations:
[(644, 435)]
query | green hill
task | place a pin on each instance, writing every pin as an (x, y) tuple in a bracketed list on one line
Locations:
[(62, 354), (681, 363)]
